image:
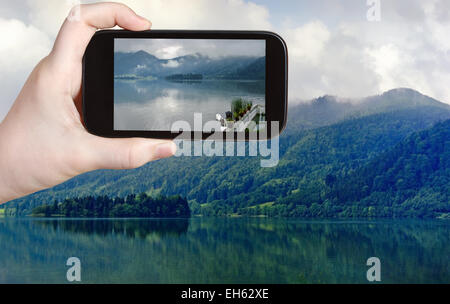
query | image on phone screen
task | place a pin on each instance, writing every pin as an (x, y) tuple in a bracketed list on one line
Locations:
[(161, 81)]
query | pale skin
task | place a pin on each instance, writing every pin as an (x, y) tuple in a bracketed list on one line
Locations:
[(42, 139)]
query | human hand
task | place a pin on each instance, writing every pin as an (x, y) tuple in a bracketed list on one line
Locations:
[(42, 139)]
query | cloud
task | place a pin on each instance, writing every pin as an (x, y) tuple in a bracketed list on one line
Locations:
[(171, 48), (306, 43), (171, 64), (355, 58), (48, 15), (324, 62), (333, 49), (31, 37), (164, 14), (21, 48), (28, 31), (203, 14)]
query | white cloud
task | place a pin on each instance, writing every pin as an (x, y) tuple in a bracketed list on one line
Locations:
[(203, 14), (171, 64), (396, 68), (21, 48), (165, 14), (334, 50), (171, 48), (31, 38), (306, 43), (325, 62), (168, 52), (354, 58), (48, 15)]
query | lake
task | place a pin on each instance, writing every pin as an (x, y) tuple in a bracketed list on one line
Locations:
[(156, 104), (223, 250)]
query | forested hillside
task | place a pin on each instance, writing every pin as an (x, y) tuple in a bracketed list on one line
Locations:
[(300, 179), (327, 141), (413, 178), (140, 205)]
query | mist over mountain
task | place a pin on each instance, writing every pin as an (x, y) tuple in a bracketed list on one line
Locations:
[(330, 109), (327, 141), (142, 64)]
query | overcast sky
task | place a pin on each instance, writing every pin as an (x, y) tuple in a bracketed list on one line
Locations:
[(171, 48), (333, 47)]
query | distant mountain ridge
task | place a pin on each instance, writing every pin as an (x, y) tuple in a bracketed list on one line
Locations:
[(329, 109), (326, 140), (143, 64)]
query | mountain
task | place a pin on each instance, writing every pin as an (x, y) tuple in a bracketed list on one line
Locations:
[(331, 109), (327, 141), (416, 170), (143, 64), (133, 63), (254, 70)]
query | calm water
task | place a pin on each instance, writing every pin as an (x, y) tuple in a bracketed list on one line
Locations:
[(156, 104), (223, 250)]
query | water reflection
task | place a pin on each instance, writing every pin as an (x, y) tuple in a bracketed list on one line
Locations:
[(133, 228), (156, 104), (201, 250)]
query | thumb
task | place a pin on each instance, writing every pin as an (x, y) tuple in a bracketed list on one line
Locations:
[(125, 153), (77, 31)]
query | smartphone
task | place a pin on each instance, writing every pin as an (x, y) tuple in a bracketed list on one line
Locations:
[(185, 84)]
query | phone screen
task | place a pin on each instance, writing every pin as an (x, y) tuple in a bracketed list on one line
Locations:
[(158, 82)]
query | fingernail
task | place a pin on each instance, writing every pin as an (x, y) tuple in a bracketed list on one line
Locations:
[(165, 150)]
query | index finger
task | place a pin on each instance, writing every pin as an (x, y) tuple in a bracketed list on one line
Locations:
[(85, 19)]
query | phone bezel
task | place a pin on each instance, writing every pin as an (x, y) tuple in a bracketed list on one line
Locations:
[(98, 81)]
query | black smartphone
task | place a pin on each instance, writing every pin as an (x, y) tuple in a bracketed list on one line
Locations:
[(185, 84)]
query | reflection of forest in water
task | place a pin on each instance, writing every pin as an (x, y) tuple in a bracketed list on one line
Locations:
[(224, 250), (133, 228), (156, 104)]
